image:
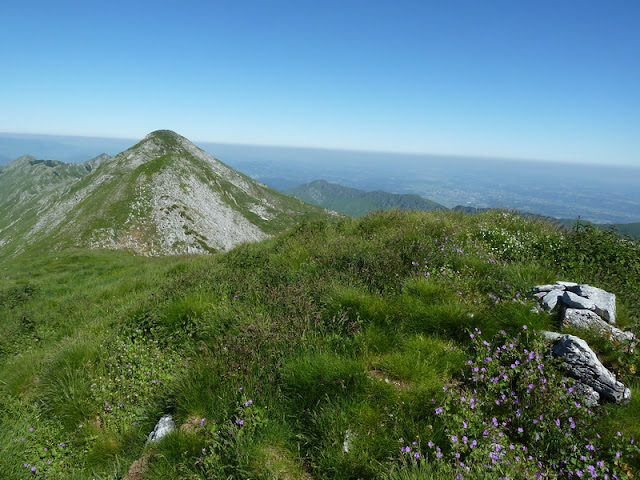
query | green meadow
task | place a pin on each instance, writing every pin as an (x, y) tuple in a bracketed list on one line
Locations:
[(341, 349)]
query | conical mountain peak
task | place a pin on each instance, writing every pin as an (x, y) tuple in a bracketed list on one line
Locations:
[(162, 196), (165, 137), (158, 145)]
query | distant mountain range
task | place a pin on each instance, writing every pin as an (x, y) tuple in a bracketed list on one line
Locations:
[(165, 196), (354, 202), (65, 148), (161, 196), (598, 193)]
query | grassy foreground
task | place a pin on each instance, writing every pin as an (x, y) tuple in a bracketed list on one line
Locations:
[(397, 346)]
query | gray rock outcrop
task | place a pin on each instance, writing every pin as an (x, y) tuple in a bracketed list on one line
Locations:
[(585, 307), (576, 295), (582, 363)]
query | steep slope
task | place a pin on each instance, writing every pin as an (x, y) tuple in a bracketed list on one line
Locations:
[(358, 202), (162, 196), (27, 186)]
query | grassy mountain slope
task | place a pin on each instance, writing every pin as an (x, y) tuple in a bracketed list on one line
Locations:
[(161, 196), (27, 187), (358, 202), (319, 353)]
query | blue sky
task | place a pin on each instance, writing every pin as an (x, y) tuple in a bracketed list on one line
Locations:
[(551, 80)]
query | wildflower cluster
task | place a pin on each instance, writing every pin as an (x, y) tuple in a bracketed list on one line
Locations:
[(451, 255), (41, 449), (136, 371), (220, 458), (517, 416), (463, 277), (505, 291), (512, 238)]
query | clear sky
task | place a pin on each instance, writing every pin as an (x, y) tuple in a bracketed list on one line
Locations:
[(540, 79)]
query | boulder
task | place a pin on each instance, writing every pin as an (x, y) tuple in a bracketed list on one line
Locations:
[(583, 364), (566, 284), (604, 302), (164, 426), (588, 320)]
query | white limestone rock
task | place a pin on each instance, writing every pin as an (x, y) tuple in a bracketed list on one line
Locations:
[(546, 288), (164, 426), (348, 441), (583, 364), (551, 299), (605, 302), (588, 320)]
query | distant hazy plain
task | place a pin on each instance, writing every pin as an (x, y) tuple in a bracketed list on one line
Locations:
[(602, 194)]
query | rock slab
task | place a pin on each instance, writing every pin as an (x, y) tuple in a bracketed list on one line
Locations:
[(588, 320), (582, 363), (573, 300)]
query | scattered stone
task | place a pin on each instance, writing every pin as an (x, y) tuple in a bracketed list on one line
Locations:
[(605, 302), (348, 440), (583, 364), (164, 426), (588, 320), (551, 299)]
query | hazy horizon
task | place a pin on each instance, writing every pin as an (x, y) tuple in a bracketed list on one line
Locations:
[(599, 193), (90, 140)]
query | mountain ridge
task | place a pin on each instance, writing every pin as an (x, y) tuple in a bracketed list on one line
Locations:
[(352, 201), (161, 196)]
